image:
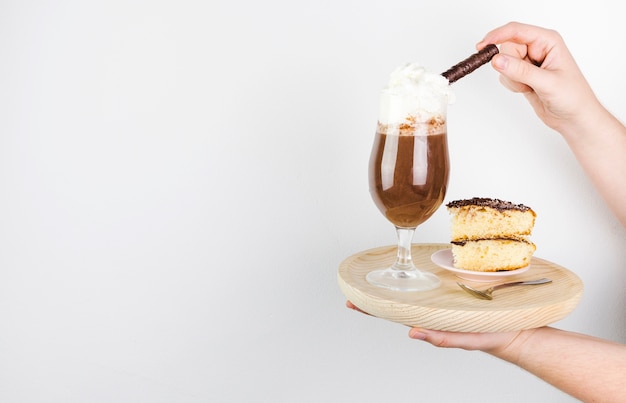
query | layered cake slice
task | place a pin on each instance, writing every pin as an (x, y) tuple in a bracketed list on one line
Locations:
[(490, 235)]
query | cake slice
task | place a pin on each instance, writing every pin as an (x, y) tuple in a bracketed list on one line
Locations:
[(491, 235), (490, 255)]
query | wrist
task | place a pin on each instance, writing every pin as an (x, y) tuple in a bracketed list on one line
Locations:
[(591, 119), (513, 351)]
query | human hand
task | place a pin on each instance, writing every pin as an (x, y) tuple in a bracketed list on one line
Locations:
[(536, 62), (493, 343)]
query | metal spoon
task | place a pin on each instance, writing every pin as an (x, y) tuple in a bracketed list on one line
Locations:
[(486, 294)]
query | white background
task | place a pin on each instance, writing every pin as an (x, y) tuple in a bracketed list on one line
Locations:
[(180, 180)]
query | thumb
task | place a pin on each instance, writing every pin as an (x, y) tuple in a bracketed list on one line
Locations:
[(466, 341), (520, 75)]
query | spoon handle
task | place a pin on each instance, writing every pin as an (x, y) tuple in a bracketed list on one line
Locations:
[(527, 282)]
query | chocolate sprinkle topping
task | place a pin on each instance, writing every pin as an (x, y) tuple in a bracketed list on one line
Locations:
[(486, 202), (470, 64)]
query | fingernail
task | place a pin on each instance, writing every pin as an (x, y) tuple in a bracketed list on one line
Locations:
[(500, 61), (416, 334)]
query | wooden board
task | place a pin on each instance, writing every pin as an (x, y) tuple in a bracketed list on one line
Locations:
[(449, 307)]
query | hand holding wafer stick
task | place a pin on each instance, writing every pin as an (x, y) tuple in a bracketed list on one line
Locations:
[(470, 64)]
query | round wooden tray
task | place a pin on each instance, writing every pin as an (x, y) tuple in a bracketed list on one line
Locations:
[(452, 309)]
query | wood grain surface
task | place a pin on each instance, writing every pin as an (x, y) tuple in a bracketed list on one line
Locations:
[(449, 307)]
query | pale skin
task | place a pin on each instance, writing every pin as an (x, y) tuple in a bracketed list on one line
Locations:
[(536, 62)]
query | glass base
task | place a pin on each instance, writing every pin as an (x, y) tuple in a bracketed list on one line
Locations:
[(403, 280)]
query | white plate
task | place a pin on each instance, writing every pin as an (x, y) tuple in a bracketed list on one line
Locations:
[(444, 258)]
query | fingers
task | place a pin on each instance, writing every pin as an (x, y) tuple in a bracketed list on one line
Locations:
[(466, 341), (354, 307), (530, 35), (524, 49), (541, 47), (516, 74)]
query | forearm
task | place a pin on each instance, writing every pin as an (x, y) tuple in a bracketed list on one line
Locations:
[(590, 369), (598, 140)]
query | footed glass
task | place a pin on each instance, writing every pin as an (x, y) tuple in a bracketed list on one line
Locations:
[(408, 178)]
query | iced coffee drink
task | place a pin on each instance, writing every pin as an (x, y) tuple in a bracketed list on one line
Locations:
[(409, 166)]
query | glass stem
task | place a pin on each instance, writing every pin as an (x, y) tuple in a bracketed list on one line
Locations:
[(403, 259)]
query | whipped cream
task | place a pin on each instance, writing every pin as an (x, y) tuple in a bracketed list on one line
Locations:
[(414, 94)]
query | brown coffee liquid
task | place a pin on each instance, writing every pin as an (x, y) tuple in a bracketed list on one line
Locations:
[(408, 176)]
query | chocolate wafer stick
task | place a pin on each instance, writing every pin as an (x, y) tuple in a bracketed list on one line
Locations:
[(470, 64)]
